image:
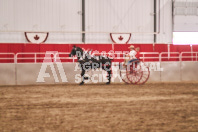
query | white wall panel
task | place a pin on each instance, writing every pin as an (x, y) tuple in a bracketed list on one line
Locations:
[(186, 16), (6, 14), (119, 16), (40, 15), (165, 31), (101, 16), (186, 23)]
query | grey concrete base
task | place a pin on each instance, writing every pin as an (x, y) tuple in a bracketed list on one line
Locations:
[(7, 74), (28, 73)]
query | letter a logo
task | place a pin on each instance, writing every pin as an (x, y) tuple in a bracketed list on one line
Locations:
[(48, 62)]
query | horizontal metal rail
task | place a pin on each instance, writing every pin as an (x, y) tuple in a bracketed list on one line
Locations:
[(149, 53), (35, 58), (56, 57), (80, 32), (188, 57), (7, 58), (168, 55)]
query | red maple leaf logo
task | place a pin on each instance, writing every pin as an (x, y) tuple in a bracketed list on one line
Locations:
[(36, 37), (120, 38)]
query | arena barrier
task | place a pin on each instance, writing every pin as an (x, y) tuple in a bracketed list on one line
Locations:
[(27, 73)]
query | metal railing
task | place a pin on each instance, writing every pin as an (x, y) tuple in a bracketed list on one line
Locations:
[(168, 55), (2, 56), (193, 56), (57, 56), (37, 57), (149, 57)]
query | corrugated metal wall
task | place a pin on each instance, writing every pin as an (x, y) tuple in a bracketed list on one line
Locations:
[(52, 15), (119, 16), (40, 15), (186, 15), (100, 16)]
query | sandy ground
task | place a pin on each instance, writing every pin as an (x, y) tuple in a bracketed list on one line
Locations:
[(57, 108)]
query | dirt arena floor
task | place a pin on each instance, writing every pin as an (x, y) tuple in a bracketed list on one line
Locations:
[(58, 108)]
